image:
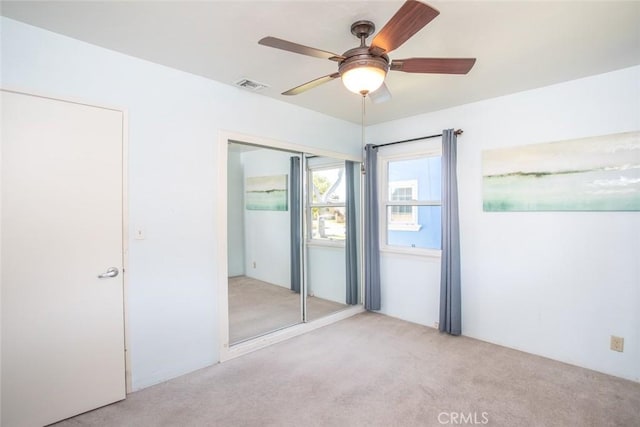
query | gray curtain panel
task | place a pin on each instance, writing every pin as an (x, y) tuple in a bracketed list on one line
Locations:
[(450, 298), (371, 231), (296, 218), (351, 244)]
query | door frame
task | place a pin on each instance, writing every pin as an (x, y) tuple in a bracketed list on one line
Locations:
[(226, 351), (125, 205)]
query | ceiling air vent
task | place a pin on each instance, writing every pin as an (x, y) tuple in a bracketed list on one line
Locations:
[(251, 85)]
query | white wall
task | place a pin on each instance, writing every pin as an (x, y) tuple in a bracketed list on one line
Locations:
[(267, 233), (557, 284), (174, 120), (235, 215)]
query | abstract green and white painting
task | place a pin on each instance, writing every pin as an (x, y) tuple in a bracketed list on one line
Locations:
[(590, 174), (266, 193)]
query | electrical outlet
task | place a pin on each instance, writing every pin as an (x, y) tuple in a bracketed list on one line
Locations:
[(617, 343), (254, 264), (436, 325)]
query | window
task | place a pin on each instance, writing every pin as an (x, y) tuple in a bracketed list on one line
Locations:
[(412, 202), (327, 203), (403, 217)]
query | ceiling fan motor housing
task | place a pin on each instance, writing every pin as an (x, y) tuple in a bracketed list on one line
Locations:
[(360, 57)]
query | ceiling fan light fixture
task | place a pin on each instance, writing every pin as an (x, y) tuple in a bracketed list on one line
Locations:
[(363, 76), (363, 80), (363, 69)]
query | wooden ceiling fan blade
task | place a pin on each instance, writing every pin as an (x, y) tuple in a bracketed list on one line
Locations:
[(310, 85), (380, 95), (408, 20), (434, 65), (298, 48)]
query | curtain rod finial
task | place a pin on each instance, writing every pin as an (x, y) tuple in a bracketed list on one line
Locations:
[(459, 132)]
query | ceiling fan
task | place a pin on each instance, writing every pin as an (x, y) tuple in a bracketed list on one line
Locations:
[(364, 68)]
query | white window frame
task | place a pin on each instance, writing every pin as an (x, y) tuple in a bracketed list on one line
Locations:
[(311, 204), (407, 151)]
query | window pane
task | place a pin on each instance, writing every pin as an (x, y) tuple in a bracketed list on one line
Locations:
[(402, 215), (328, 223), (415, 227), (328, 185), (402, 193), (424, 171)]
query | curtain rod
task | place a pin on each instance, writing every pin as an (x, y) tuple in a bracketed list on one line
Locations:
[(457, 132)]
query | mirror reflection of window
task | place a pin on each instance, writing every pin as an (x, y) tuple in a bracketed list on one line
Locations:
[(328, 183), (327, 204)]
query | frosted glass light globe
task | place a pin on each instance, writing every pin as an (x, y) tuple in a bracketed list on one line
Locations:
[(363, 80)]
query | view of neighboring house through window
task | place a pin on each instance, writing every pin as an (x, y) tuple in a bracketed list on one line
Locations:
[(327, 203), (403, 217), (412, 201)]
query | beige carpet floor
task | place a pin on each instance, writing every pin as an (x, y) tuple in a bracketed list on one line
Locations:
[(256, 308), (373, 370)]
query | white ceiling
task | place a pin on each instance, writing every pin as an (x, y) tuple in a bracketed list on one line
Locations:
[(518, 45)]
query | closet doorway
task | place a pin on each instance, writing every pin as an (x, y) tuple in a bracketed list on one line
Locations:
[(289, 266)]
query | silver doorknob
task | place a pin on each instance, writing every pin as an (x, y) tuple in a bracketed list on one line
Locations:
[(111, 272)]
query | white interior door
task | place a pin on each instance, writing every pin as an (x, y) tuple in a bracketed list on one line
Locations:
[(62, 226)]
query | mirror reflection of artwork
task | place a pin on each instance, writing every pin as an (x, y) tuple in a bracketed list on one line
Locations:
[(590, 174), (266, 193)]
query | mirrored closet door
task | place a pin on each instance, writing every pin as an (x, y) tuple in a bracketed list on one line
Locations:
[(332, 236), (293, 233), (262, 295)]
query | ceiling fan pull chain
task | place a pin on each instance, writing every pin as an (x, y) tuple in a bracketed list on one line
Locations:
[(363, 170)]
